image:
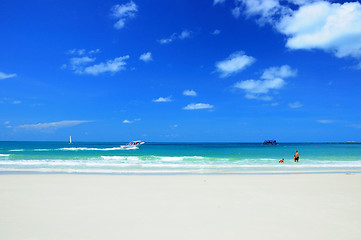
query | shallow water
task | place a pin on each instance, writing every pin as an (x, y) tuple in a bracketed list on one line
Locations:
[(169, 158)]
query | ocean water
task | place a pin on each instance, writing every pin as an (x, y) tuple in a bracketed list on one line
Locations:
[(176, 158)]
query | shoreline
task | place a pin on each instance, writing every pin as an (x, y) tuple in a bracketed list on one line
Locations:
[(94, 206), (159, 173)]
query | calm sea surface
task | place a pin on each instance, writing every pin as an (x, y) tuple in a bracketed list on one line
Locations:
[(169, 158)]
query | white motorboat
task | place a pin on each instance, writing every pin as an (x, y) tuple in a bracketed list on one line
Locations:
[(133, 145)]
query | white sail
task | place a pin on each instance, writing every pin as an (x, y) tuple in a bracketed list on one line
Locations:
[(70, 140)]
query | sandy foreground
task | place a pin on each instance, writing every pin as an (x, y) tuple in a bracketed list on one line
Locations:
[(296, 206)]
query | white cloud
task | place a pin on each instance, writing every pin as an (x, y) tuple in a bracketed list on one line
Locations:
[(216, 32), (113, 66), (81, 60), (234, 63), (271, 79), (163, 99), (6, 123), (185, 34), (77, 51), (258, 97), (284, 71), (197, 106), (82, 51), (311, 24), (190, 93), (265, 10), (325, 121), (301, 2), (260, 86), (236, 12), (5, 76), (131, 121), (16, 102), (94, 51), (123, 12), (81, 63), (175, 36), (328, 26), (218, 1), (53, 125), (295, 104), (77, 63), (167, 40), (146, 57)]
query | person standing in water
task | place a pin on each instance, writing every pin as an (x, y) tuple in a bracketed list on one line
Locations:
[(296, 157)]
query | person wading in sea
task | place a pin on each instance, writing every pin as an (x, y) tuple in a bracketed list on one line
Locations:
[(296, 157)]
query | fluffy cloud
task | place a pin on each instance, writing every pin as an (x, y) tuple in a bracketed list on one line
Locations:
[(131, 121), (5, 76), (265, 10), (216, 32), (236, 12), (310, 24), (260, 86), (234, 63), (218, 1), (123, 12), (163, 99), (175, 36), (271, 79), (113, 66), (295, 104), (197, 106), (52, 125), (190, 93), (146, 57), (284, 71), (81, 63), (328, 26), (184, 34), (82, 51), (77, 63)]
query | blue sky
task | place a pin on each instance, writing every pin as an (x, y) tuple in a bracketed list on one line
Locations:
[(222, 70)]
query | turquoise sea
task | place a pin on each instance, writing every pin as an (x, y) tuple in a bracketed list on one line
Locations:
[(176, 158)]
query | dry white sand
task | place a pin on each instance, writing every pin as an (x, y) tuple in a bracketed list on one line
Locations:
[(310, 206)]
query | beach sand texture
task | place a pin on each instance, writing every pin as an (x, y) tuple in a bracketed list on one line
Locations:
[(294, 206)]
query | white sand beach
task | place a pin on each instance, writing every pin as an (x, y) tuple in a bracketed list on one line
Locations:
[(295, 206)]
